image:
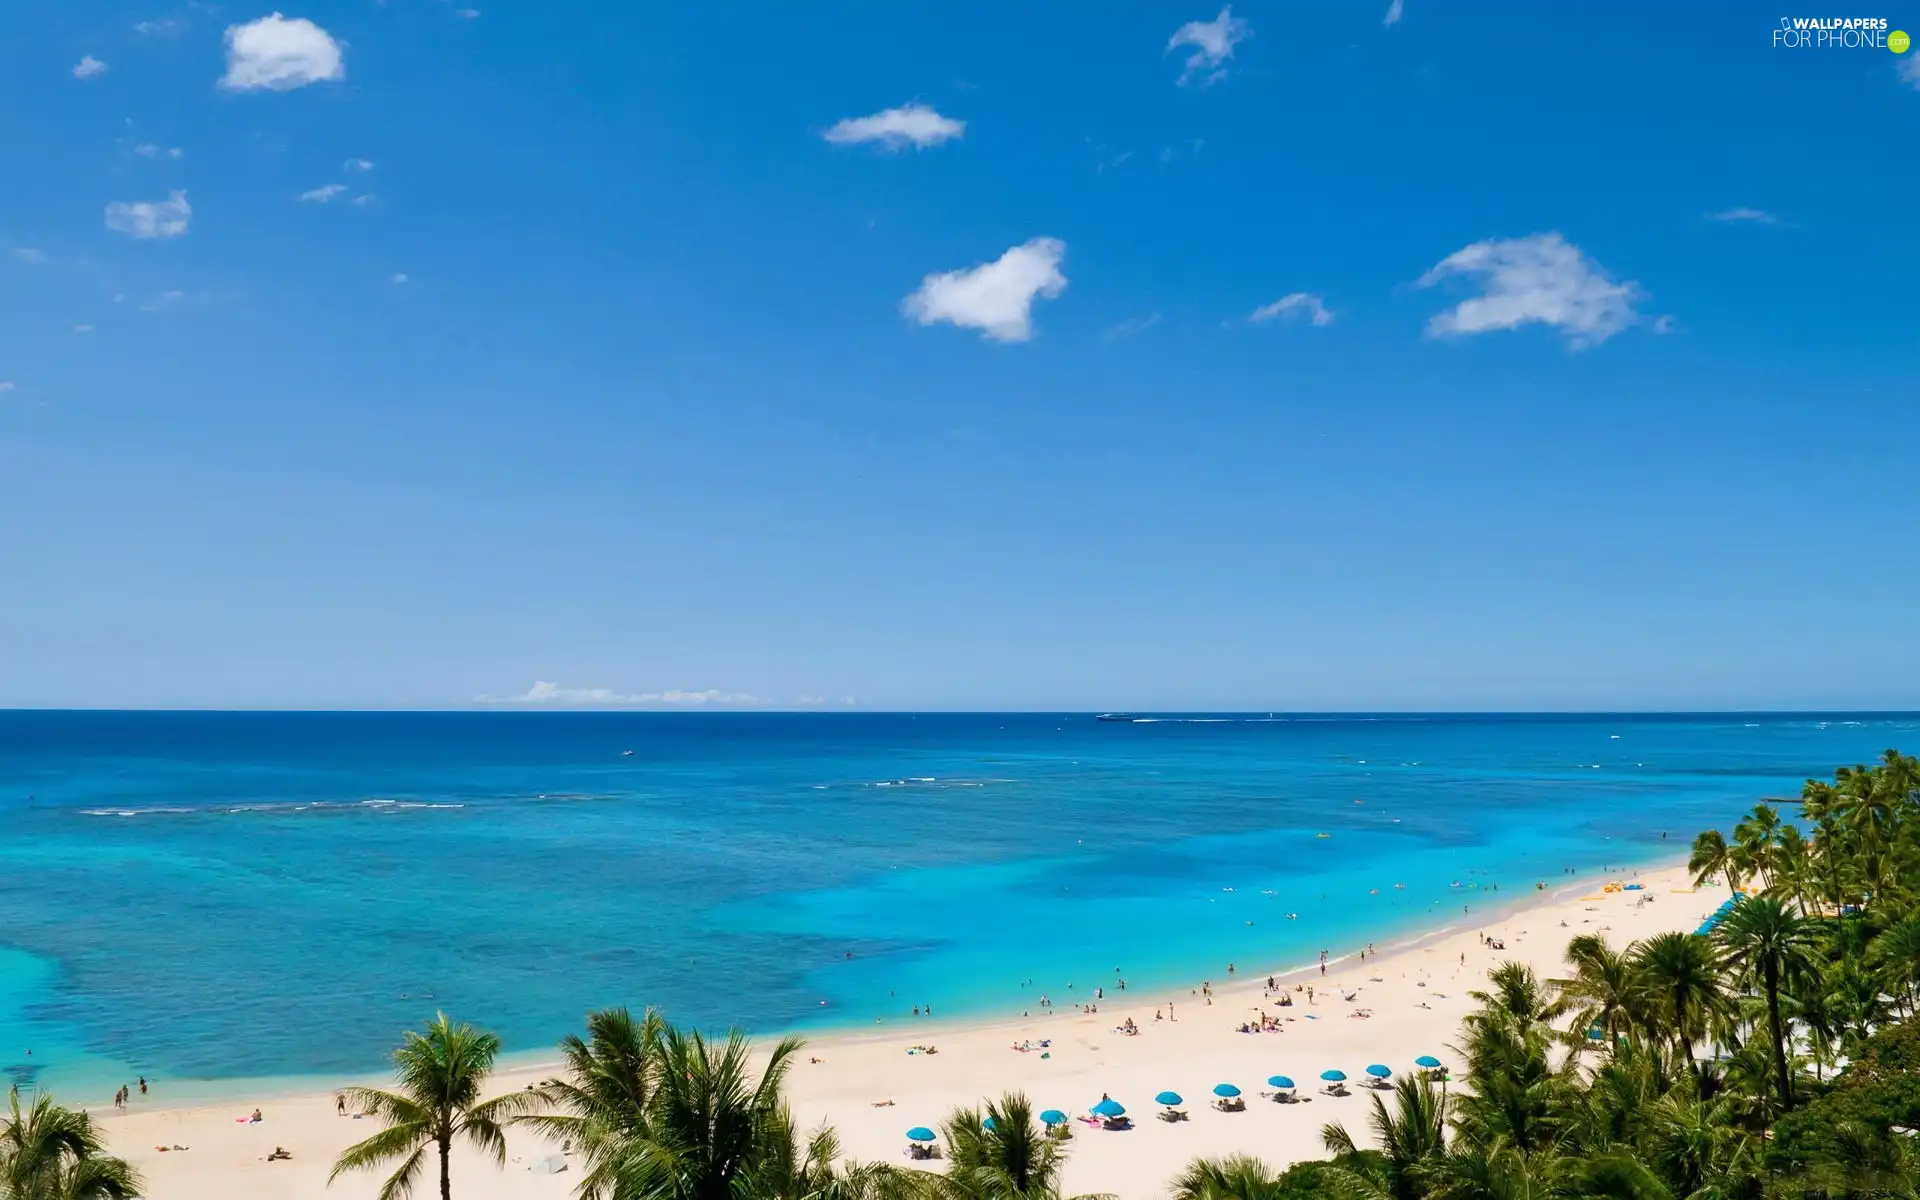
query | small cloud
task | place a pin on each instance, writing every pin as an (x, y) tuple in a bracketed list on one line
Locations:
[(1132, 326), (1296, 306), (164, 25), (1213, 42), (997, 297), (6, 385), (28, 254), (151, 219), (278, 54), (324, 194), (83, 329), (164, 301), (467, 14), (89, 67), (400, 277), (1662, 324), (359, 164), (1395, 11), (1745, 216), (913, 125), (363, 200), (1541, 279), (1909, 69), (149, 150)]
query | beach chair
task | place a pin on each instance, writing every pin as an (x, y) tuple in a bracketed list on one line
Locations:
[(1117, 1123)]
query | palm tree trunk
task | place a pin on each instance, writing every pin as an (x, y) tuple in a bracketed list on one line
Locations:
[(1779, 1034), (446, 1172)]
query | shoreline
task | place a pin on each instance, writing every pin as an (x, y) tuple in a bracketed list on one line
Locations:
[(871, 1085), (202, 1093)]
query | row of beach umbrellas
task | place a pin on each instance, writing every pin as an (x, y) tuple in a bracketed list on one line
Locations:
[(1109, 1107)]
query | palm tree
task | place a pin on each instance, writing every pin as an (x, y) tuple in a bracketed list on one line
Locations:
[(1712, 856), (1002, 1154), (1753, 841), (1897, 954), (1411, 1136), (1601, 990), (601, 1103), (1237, 1177), (712, 1128), (48, 1152), (1793, 869), (440, 1074), (1764, 939), (1679, 978)]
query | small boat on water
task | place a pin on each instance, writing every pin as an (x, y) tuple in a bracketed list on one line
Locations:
[(1122, 717)]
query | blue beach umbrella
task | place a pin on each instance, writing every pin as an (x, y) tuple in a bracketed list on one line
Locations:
[(1334, 1076), (1110, 1108), (987, 1124), (1428, 1061), (1168, 1098), (920, 1133), (1225, 1090), (1378, 1071), (1053, 1116), (1279, 1081)]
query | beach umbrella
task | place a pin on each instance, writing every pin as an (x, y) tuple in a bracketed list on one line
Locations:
[(1225, 1090), (1334, 1076), (1279, 1081), (1053, 1116), (1168, 1098), (1110, 1108), (987, 1124), (1428, 1061), (1378, 1071), (920, 1133)]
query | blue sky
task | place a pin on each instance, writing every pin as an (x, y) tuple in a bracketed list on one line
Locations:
[(402, 354)]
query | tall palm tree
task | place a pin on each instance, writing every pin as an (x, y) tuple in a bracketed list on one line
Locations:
[(48, 1152), (440, 1074), (1765, 940), (1753, 840), (1896, 953), (712, 1125), (1712, 856), (1412, 1135), (1600, 991), (1793, 869), (1001, 1154), (600, 1103), (1679, 978)]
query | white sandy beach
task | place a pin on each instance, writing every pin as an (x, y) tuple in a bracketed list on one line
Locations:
[(1416, 996)]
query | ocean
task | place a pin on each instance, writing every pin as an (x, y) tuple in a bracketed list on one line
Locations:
[(224, 896)]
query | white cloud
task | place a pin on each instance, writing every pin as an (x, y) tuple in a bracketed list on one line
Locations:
[(161, 26), (1132, 326), (151, 219), (1395, 11), (1295, 306), (83, 329), (467, 14), (363, 200), (89, 67), (149, 150), (359, 164), (1743, 215), (1910, 68), (400, 278), (997, 297), (279, 54), (323, 194), (27, 254), (913, 125), (1542, 279), (164, 301), (544, 692), (1213, 42), (6, 385)]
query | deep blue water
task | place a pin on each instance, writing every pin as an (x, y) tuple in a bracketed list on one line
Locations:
[(221, 895)]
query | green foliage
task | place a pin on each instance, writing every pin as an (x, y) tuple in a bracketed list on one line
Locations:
[(48, 1152)]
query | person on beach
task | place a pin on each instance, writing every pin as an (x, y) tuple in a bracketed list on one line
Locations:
[(340, 1103)]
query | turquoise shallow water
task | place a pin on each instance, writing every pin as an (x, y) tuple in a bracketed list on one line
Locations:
[(215, 896)]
